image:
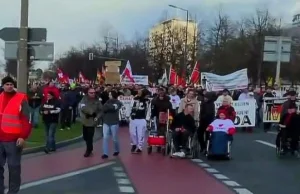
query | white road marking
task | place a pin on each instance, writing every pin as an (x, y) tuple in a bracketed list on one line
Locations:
[(123, 181), (243, 191), (232, 183), (120, 174), (67, 175), (117, 168), (266, 143), (211, 170), (197, 160), (272, 132), (126, 189), (221, 177), (203, 165)]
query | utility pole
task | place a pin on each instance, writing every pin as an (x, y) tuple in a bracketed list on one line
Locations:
[(22, 71)]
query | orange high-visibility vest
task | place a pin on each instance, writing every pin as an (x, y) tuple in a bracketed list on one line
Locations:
[(10, 122)]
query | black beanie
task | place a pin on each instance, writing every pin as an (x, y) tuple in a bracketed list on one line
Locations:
[(8, 79)]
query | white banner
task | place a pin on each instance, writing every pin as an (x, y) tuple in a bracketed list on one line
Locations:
[(126, 109), (138, 79), (234, 81), (245, 112)]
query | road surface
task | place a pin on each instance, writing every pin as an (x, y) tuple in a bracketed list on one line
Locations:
[(254, 169)]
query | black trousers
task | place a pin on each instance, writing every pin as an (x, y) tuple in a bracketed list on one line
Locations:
[(88, 136), (180, 139), (11, 154), (74, 113), (65, 118), (203, 136)]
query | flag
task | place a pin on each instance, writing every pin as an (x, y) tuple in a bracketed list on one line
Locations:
[(164, 79), (103, 71), (172, 76), (62, 78), (81, 78), (195, 76), (128, 72)]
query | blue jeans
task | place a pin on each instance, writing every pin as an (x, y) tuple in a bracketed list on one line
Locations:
[(113, 130), (50, 129), (35, 113)]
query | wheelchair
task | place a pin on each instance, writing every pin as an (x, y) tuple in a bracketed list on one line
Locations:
[(193, 149), (219, 145), (280, 142), (158, 138)]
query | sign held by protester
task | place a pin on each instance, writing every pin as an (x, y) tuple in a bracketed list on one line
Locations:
[(138, 80), (234, 81), (272, 109), (245, 112), (112, 74)]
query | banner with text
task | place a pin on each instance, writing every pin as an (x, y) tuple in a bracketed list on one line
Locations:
[(138, 80), (245, 112), (234, 81), (272, 108)]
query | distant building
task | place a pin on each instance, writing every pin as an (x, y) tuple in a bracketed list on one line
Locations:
[(170, 35)]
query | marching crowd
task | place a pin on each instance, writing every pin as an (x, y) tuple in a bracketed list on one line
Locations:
[(192, 109), (99, 105)]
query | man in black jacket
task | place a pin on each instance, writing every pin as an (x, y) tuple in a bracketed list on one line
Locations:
[(182, 126), (207, 115)]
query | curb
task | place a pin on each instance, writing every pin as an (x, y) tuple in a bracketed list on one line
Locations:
[(58, 145)]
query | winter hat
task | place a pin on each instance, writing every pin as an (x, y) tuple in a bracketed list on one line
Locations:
[(222, 112), (8, 79)]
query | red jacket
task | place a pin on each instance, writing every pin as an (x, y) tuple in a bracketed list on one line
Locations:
[(52, 89)]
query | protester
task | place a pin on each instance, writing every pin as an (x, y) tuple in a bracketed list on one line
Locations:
[(90, 109), (138, 124), (111, 123), (34, 99), (15, 129), (50, 111)]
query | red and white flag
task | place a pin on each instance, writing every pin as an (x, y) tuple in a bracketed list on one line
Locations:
[(172, 76), (128, 72), (62, 78), (195, 76), (82, 78)]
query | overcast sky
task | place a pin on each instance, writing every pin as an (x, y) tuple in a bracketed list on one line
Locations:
[(75, 22)]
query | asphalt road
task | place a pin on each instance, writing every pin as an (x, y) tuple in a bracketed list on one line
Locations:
[(256, 166), (101, 180)]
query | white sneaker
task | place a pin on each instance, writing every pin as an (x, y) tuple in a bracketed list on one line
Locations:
[(68, 128), (176, 154), (61, 129), (181, 154)]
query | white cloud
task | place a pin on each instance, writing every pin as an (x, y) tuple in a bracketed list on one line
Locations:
[(71, 22)]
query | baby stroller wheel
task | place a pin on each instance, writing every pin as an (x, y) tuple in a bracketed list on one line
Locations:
[(149, 149)]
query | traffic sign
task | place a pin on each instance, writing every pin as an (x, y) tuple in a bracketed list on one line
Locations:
[(277, 48), (41, 51), (13, 34)]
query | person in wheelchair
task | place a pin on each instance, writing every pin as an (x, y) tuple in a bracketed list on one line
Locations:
[(289, 129), (222, 124), (182, 127)]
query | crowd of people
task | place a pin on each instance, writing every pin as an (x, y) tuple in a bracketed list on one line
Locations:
[(192, 110)]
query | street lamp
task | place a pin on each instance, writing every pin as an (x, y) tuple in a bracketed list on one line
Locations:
[(186, 35)]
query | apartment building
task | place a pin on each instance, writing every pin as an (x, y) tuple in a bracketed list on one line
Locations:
[(169, 37)]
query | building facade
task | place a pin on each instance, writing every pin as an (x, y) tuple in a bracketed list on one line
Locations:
[(167, 41)]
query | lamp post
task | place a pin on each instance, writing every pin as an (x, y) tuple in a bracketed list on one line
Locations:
[(186, 36)]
